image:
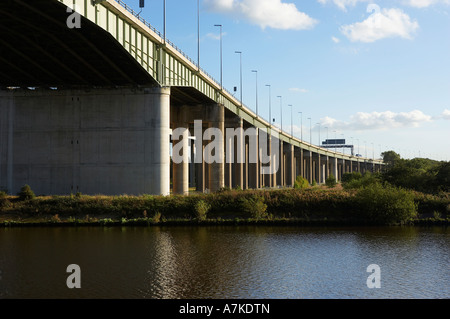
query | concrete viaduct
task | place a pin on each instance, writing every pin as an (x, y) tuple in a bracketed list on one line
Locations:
[(91, 108)]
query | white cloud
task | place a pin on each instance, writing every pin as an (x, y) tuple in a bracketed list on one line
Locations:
[(425, 3), (265, 13), (446, 114), (386, 23), (298, 90), (379, 120), (335, 40), (343, 4)]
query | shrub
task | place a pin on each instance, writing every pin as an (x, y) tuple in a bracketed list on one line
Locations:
[(331, 181), (386, 204), (301, 183), (201, 210), (254, 206), (26, 193), (4, 202), (358, 181)]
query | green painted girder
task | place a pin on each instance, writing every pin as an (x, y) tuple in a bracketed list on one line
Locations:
[(169, 66)]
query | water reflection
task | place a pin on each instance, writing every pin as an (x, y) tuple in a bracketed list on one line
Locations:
[(225, 262)]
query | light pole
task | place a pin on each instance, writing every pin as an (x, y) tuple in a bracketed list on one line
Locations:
[(240, 56), (365, 149), (256, 72), (281, 108), (198, 33), (270, 104), (164, 21), (319, 133), (221, 61), (327, 134), (310, 131), (335, 140), (301, 126), (292, 126)]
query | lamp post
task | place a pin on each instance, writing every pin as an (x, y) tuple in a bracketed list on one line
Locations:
[(164, 21), (319, 133), (310, 131), (270, 104), (240, 56), (281, 108), (327, 133), (335, 140), (292, 126), (256, 72), (198, 33), (301, 126), (221, 61), (343, 149)]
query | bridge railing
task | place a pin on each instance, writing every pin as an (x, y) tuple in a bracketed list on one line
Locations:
[(136, 14)]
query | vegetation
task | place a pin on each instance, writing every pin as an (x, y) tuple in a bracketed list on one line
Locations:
[(26, 193), (407, 191), (301, 183), (420, 174), (331, 181)]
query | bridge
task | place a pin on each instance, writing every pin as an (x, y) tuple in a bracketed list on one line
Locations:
[(93, 108)]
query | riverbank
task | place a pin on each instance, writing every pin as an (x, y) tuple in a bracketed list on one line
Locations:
[(312, 206)]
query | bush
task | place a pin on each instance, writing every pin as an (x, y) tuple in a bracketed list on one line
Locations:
[(26, 193), (4, 202), (358, 181), (301, 183), (201, 210), (254, 206), (386, 204), (331, 181)]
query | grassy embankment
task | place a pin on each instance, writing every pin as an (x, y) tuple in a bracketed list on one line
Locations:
[(374, 204)]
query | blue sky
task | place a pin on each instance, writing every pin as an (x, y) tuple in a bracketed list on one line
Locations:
[(375, 73)]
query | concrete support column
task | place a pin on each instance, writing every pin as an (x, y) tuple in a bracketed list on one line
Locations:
[(290, 165), (334, 165), (253, 168), (280, 173), (311, 171), (319, 170), (157, 137), (216, 169), (7, 109), (181, 170), (268, 180)]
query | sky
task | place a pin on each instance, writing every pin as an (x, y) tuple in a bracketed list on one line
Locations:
[(376, 73)]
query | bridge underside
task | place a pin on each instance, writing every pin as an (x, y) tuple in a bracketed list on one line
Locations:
[(106, 126), (38, 49)]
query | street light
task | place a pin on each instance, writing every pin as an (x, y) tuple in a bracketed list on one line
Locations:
[(301, 126), (281, 107), (270, 104), (335, 140), (292, 125), (256, 72), (319, 133), (327, 134), (221, 61), (198, 33), (240, 55), (310, 131)]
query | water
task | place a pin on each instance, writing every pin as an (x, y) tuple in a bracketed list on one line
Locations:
[(225, 262)]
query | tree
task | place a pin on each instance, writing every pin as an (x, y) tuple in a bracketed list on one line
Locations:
[(390, 157)]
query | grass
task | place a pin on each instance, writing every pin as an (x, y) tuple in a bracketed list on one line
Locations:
[(313, 205)]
